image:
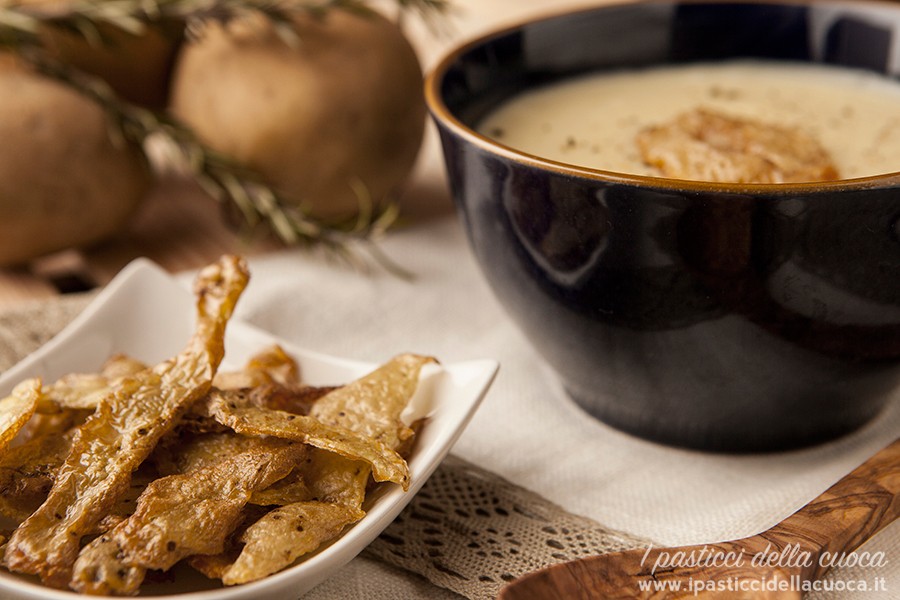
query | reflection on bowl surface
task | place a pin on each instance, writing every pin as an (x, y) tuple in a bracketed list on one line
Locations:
[(718, 316)]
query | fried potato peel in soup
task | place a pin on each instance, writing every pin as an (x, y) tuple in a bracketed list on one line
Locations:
[(735, 121)]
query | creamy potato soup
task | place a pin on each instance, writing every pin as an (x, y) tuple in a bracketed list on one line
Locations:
[(595, 120)]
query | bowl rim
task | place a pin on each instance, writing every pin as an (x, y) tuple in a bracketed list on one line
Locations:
[(444, 116)]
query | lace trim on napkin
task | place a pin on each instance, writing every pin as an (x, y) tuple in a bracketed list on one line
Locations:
[(471, 531)]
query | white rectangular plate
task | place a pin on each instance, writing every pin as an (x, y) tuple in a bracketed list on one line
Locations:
[(146, 314)]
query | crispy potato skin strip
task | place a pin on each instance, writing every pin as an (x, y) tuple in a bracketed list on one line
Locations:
[(291, 489), (123, 430), (86, 390), (16, 409), (272, 365), (118, 366), (333, 478), (57, 423), (205, 450), (272, 378), (213, 566), (235, 411), (100, 570), (285, 534), (371, 405), (182, 515), (296, 400), (127, 503), (198, 510), (27, 472), (278, 364)]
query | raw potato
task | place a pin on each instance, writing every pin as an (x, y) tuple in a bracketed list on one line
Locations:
[(63, 182), (343, 106), (137, 67)]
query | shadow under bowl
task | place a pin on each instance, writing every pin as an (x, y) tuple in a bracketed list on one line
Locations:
[(715, 316)]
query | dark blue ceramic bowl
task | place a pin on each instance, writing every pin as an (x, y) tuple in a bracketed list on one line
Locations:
[(716, 316)]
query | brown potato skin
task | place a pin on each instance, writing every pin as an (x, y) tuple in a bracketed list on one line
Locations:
[(137, 67), (345, 104), (63, 182)]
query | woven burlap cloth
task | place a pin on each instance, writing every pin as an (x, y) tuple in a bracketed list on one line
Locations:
[(468, 530)]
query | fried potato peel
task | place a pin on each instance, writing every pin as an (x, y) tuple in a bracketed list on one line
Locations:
[(179, 516), (272, 365), (291, 489), (43, 424), (234, 410), (333, 478), (27, 472), (706, 145), (369, 406), (118, 475), (17, 408), (204, 450), (121, 433), (213, 566), (86, 390), (372, 405), (285, 534)]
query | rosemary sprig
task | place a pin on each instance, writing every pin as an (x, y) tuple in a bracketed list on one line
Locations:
[(232, 185)]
